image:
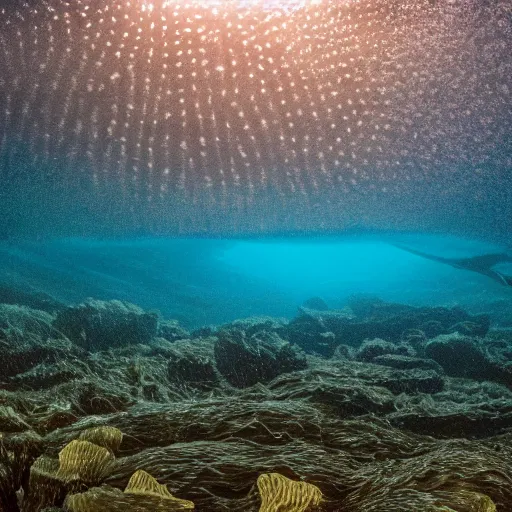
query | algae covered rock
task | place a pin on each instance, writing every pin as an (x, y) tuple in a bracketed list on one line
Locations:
[(376, 319), (45, 375), (19, 296), (17, 452), (472, 358), (101, 325), (412, 381), (370, 349), (244, 361), (171, 330), (469, 328), (26, 321), (28, 338), (316, 303), (309, 332), (401, 362), (257, 324), (95, 397), (192, 363), (12, 421), (460, 356), (21, 353)]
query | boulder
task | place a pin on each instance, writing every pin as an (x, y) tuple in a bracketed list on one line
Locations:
[(171, 330), (99, 325), (460, 356), (244, 361)]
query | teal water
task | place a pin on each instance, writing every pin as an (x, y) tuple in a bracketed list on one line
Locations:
[(205, 281)]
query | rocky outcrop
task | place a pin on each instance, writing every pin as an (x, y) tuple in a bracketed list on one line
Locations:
[(99, 325)]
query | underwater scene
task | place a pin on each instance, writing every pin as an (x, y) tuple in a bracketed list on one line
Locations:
[(256, 255)]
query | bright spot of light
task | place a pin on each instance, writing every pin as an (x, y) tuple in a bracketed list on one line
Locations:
[(270, 5)]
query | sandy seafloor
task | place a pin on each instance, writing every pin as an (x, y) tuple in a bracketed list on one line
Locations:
[(382, 405)]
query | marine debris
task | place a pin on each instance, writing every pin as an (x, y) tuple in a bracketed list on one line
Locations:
[(378, 407)]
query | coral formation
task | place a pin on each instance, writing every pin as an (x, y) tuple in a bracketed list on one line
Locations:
[(81, 464), (142, 494), (239, 417), (280, 493)]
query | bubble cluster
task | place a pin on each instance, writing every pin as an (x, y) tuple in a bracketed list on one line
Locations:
[(304, 108)]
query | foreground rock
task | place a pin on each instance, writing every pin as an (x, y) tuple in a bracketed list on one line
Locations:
[(27, 339), (381, 425)]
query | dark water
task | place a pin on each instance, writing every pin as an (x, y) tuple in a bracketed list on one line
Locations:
[(242, 118)]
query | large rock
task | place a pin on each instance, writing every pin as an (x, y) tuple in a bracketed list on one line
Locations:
[(23, 321), (310, 333), (191, 363), (460, 356), (23, 297), (257, 324), (464, 356), (244, 360), (171, 330), (27, 339), (370, 349), (316, 303), (99, 325), (21, 355)]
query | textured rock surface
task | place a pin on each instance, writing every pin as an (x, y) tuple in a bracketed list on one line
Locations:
[(246, 360), (373, 428), (475, 358), (98, 325), (171, 330), (376, 319)]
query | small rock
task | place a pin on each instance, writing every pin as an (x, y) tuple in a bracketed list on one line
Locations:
[(371, 349)]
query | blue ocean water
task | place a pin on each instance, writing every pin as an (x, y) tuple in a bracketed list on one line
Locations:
[(213, 281)]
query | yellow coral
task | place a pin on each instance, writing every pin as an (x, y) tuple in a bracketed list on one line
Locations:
[(107, 437), (143, 483), (280, 494), (142, 494), (84, 461)]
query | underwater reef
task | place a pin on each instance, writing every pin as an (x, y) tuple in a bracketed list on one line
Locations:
[(377, 407)]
